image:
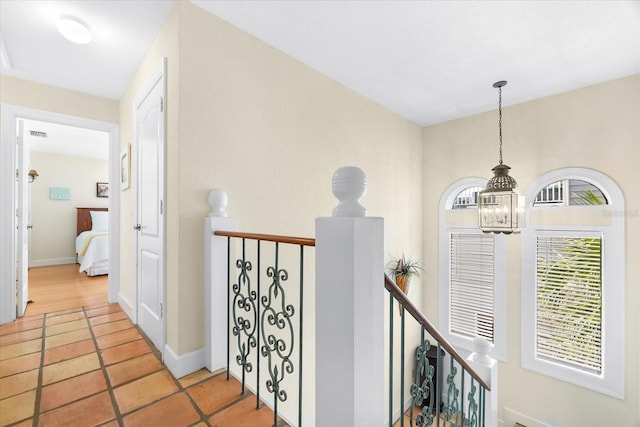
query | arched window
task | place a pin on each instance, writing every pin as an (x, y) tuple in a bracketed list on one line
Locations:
[(573, 280), (472, 272)]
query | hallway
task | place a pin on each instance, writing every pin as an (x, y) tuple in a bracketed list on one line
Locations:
[(91, 366)]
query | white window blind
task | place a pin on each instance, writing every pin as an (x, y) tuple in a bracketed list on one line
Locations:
[(472, 285), (569, 300)]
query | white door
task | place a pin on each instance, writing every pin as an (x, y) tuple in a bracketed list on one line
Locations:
[(150, 211), (22, 216)]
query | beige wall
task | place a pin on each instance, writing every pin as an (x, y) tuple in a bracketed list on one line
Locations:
[(49, 98), (597, 127), (247, 119), (54, 221)]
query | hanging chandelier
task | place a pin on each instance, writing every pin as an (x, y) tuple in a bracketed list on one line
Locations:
[(500, 205)]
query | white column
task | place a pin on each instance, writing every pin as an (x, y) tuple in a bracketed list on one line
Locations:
[(215, 273), (487, 369), (349, 310)]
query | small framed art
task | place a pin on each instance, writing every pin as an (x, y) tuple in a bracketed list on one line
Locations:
[(102, 189)]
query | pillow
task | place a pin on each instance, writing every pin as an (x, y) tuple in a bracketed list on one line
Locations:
[(99, 220)]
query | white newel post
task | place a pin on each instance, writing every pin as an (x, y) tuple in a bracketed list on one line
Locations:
[(487, 368), (349, 309), (215, 273)]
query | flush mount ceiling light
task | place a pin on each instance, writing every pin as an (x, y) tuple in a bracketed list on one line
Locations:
[(73, 29), (500, 205)]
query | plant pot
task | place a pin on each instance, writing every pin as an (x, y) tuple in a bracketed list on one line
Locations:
[(403, 284)]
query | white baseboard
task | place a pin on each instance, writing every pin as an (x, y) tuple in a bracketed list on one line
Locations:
[(512, 417), (126, 306), (52, 261), (184, 364)]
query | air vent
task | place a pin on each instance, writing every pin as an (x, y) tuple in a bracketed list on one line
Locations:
[(38, 133)]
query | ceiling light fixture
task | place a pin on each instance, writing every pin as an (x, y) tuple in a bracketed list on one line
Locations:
[(500, 205), (73, 29)]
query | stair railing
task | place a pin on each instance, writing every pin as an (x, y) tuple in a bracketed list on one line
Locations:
[(434, 401), (349, 384), (263, 317)]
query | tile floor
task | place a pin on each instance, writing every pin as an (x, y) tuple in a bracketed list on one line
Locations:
[(91, 366)]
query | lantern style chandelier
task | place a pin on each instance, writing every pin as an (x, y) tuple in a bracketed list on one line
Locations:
[(500, 205)]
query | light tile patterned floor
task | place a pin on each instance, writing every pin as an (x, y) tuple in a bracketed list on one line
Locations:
[(91, 366)]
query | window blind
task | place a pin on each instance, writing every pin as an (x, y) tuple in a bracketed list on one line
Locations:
[(569, 300), (471, 284)]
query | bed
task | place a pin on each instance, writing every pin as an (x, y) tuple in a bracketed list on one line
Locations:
[(92, 240)]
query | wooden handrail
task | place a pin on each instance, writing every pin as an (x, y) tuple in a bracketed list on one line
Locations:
[(420, 318), (302, 241)]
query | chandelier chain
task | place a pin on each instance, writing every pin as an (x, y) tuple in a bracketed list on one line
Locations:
[(500, 119)]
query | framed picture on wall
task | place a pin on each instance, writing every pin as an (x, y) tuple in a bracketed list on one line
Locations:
[(102, 189), (125, 166)]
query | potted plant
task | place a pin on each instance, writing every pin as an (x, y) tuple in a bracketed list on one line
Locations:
[(403, 269)]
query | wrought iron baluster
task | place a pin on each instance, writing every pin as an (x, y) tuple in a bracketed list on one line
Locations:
[(402, 367), (421, 390), (258, 275), (483, 395), (228, 303), (244, 315), (438, 385), (391, 298), (461, 420), (277, 314), (300, 332), (472, 412), (451, 407)]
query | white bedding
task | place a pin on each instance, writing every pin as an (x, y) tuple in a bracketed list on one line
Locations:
[(96, 258)]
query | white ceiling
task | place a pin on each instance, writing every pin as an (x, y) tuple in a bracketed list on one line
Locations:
[(62, 139), (429, 61)]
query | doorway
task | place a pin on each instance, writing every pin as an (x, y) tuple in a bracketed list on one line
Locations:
[(9, 152), (71, 169)]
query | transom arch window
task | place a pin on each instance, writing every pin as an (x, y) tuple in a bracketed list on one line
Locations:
[(573, 280), (472, 288)]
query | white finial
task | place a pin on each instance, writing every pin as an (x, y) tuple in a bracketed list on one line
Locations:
[(481, 348), (349, 183), (218, 201)]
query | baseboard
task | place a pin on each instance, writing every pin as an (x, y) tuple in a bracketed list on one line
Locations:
[(512, 417), (184, 364), (52, 261), (126, 306)]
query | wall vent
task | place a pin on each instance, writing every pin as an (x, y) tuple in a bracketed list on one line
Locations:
[(38, 133)]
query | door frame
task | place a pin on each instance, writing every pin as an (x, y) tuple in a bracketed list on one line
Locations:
[(10, 115), (158, 75)]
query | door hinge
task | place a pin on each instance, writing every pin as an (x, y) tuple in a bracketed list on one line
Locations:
[(161, 208), (161, 311), (161, 104)]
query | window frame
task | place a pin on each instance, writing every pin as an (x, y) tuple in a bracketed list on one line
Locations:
[(611, 379), (499, 347)]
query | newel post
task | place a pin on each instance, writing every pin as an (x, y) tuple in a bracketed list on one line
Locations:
[(487, 368), (349, 376), (215, 276)]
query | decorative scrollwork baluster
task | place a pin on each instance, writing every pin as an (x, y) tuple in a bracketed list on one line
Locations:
[(277, 332), (244, 315), (421, 390), (451, 408), (472, 413)]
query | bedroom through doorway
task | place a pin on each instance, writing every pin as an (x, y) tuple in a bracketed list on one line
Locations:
[(68, 218), (18, 185)]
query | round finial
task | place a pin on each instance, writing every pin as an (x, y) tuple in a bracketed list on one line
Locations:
[(218, 201), (349, 183), (500, 83), (482, 348)]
